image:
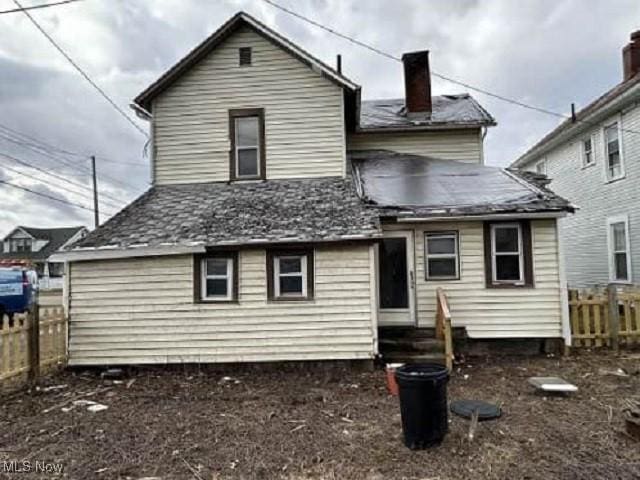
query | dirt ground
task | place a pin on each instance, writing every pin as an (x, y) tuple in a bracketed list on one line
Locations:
[(340, 424)]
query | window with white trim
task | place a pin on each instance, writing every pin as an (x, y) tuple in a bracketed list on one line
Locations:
[(613, 154), (442, 261), (20, 245), (247, 136), (217, 279), (588, 151), (619, 249), (507, 254), (290, 274)]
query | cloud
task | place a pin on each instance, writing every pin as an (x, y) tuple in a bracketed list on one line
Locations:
[(544, 52)]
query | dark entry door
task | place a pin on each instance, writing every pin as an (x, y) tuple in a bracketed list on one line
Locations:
[(395, 268)]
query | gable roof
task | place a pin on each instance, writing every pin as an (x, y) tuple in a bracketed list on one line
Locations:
[(403, 185), (219, 214), (615, 98), (56, 238), (448, 111), (230, 26)]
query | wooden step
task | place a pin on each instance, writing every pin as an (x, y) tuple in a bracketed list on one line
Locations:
[(404, 357), (426, 345)]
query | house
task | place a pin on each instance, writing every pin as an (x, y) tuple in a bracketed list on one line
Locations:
[(33, 246), (290, 220), (594, 160)]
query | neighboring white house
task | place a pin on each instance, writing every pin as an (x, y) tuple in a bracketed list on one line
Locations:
[(289, 220), (32, 247), (594, 161)]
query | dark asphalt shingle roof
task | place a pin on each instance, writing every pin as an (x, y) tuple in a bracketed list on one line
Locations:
[(412, 185), (55, 236), (447, 110), (319, 209)]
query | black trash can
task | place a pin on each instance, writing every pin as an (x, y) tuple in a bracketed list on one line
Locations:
[(423, 404)]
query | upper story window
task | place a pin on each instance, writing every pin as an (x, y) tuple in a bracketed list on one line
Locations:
[(588, 152), (613, 154), (541, 167), (247, 156), (244, 56), (619, 251), (508, 254), (20, 245)]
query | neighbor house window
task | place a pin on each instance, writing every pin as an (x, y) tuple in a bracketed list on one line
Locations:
[(216, 277), (290, 275), (442, 260), (244, 54), (20, 245), (619, 254), (588, 156), (541, 167), (246, 128), (613, 157), (508, 259)]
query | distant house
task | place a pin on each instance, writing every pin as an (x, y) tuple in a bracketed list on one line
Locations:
[(289, 220), (594, 161), (33, 247)]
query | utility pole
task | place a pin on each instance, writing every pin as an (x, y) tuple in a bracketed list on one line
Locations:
[(96, 214)]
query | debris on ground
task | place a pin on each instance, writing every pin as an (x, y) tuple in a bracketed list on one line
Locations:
[(618, 372), (553, 384), (227, 430)]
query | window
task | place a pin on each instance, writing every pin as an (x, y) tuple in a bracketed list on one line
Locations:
[(246, 128), (613, 157), (619, 254), (508, 256), (588, 157), (244, 56), (216, 277), (541, 167), (290, 275), (20, 245), (441, 256)]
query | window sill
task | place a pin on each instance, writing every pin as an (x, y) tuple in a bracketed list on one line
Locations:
[(509, 285), (443, 279), (614, 180), (291, 299), (589, 165), (216, 302)]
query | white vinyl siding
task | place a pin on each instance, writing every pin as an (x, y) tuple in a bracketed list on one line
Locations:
[(143, 311), (533, 312), (304, 126), (584, 233), (460, 145)]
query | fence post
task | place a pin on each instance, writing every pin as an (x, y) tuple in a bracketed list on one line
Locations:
[(614, 316), (34, 343)]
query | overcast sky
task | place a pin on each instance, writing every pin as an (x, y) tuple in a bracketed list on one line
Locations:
[(546, 53)]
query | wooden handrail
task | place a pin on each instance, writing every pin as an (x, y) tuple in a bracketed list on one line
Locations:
[(443, 326)]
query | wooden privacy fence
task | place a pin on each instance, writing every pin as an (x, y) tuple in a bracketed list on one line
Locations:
[(25, 353), (606, 317)]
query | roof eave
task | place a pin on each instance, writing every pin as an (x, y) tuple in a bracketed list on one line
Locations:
[(145, 98), (566, 131), (419, 128)]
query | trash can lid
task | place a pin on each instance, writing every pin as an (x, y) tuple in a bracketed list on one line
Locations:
[(465, 408), (422, 371)]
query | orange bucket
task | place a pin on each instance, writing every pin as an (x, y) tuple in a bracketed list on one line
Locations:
[(392, 385)]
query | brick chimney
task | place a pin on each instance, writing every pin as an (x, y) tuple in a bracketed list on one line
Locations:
[(417, 84), (631, 56)]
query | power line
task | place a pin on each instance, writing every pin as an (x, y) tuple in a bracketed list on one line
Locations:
[(436, 74), (81, 71), (35, 7), (33, 177), (50, 197), (54, 175)]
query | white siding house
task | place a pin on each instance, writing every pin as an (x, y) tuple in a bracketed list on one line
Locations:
[(595, 163), (287, 219)]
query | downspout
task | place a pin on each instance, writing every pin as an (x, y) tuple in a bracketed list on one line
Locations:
[(146, 115), (564, 293)]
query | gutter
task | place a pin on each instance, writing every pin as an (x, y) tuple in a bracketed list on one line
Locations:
[(491, 216)]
